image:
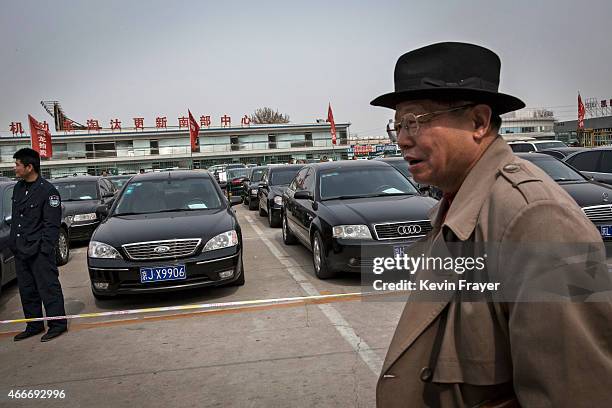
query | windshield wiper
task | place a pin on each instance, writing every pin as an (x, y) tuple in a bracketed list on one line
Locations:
[(348, 197)]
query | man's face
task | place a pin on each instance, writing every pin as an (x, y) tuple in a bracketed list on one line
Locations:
[(443, 149), (22, 171)]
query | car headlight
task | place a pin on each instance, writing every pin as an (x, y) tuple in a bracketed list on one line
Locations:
[(254, 191), (102, 250), (224, 240), (85, 217), (278, 200), (352, 232)]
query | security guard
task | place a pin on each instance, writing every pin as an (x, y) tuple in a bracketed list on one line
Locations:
[(34, 234)]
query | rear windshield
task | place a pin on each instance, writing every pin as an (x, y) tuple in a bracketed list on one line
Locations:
[(85, 190), (283, 176)]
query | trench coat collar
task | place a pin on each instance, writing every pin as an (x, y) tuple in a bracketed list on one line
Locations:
[(462, 215)]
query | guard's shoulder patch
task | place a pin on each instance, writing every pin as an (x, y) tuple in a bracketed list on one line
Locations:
[(54, 201)]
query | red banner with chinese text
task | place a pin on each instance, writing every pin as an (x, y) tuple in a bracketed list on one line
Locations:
[(330, 119), (194, 132), (41, 138), (581, 112)]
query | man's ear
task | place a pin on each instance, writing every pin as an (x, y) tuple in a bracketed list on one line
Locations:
[(481, 120)]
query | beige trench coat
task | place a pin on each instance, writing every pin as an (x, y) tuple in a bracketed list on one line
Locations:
[(553, 354)]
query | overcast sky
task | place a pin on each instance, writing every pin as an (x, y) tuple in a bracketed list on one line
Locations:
[(124, 59)]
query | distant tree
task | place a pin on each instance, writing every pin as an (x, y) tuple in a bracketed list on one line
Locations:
[(268, 115)]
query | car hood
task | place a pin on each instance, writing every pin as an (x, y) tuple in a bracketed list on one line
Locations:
[(587, 194), (378, 209), (80, 207), (204, 224)]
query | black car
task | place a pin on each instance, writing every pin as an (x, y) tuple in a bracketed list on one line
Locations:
[(595, 163), (235, 178), (337, 209), (166, 231), (594, 198), (120, 180), (83, 197), (273, 184), (561, 152), (7, 263), (250, 186)]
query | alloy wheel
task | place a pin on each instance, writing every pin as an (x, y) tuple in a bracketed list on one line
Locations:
[(316, 251)]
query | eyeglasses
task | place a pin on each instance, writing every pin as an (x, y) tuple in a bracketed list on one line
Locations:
[(411, 122)]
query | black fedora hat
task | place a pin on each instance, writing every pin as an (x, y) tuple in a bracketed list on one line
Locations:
[(449, 71)]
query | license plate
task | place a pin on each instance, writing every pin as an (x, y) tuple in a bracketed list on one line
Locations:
[(606, 231), (162, 273), (399, 250)]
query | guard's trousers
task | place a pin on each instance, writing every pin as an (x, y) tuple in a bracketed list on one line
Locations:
[(37, 277)]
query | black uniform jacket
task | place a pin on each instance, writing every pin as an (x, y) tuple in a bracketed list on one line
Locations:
[(36, 218)]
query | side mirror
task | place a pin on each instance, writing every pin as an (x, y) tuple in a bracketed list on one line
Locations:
[(424, 189), (108, 195), (102, 212), (235, 200), (303, 195), (8, 219), (263, 185)]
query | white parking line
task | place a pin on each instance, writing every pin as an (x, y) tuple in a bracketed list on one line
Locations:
[(364, 351)]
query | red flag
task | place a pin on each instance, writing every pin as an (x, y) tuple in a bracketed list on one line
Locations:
[(330, 119), (194, 131), (581, 112), (41, 138)]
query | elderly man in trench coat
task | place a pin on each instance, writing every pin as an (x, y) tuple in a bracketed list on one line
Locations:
[(498, 353)]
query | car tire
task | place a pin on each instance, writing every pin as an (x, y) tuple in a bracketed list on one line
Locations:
[(273, 221), (288, 237), (318, 258), (252, 205), (240, 280), (262, 213), (62, 251)]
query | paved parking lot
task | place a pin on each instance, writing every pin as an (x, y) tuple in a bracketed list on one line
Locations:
[(303, 354)]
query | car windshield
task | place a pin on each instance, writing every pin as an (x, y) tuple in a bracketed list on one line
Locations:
[(120, 181), (363, 182), (166, 195), (280, 177), (550, 145), (557, 170), (402, 167), (257, 174), (76, 191), (236, 173)]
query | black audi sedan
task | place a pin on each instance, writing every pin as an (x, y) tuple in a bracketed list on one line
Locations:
[(343, 210), (166, 231), (235, 178), (83, 196), (250, 186), (593, 197), (7, 262), (273, 184)]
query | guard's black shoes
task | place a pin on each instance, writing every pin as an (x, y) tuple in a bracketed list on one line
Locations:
[(51, 334), (27, 333)]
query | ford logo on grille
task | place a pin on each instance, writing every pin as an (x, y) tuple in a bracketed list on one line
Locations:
[(162, 249), (409, 229)]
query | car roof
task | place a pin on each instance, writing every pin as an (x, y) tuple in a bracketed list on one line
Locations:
[(390, 159), (286, 167), (6, 183), (163, 175), (72, 179), (535, 156), (563, 149), (349, 164), (534, 141)]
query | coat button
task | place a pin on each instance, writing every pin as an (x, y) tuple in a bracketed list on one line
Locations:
[(512, 168), (426, 374)]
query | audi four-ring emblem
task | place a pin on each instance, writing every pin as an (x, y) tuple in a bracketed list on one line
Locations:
[(409, 229)]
